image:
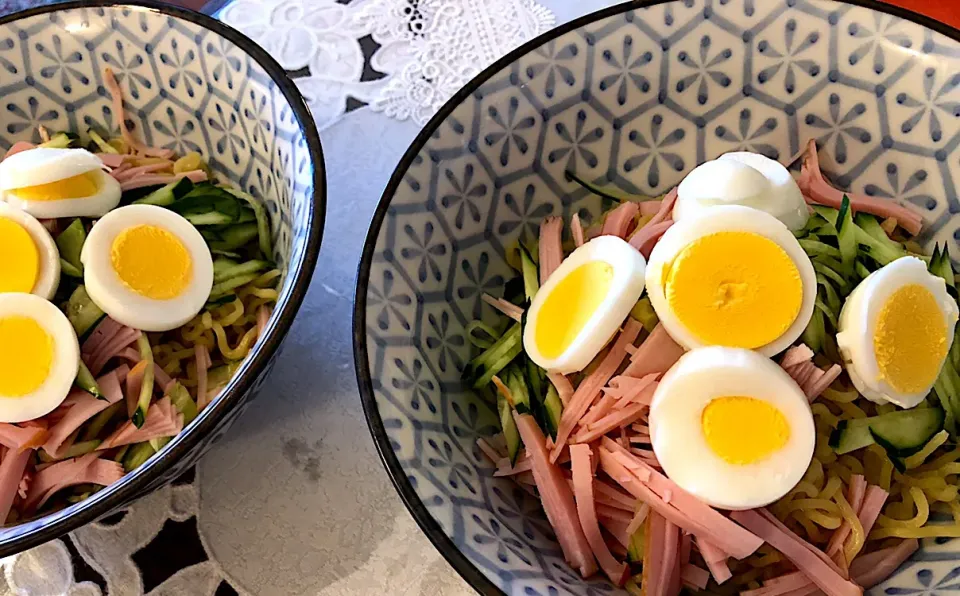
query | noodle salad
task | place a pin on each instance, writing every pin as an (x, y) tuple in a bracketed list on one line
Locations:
[(132, 286), (749, 385)]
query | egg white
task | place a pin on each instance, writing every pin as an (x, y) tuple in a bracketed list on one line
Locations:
[(728, 218), (63, 367), (858, 322), (742, 178), (41, 166), (123, 304), (677, 435), (49, 277), (625, 289)]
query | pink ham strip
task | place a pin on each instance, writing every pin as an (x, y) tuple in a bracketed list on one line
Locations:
[(855, 495), (650, 207), (640, 392), (668, 578), (618, 419), (84, 407), (20, 438), (263, 317), (605, 511), (648, 236), (716, 560), (654, 551), (621, 221), (599, 409), (871, 569), (796, 355), (116, 95), (663, 214), (817, 190), (656, 354), (590, 387), (161, 422), (113, 160), (105, 331), (12, 467), (607, 491), (695, 577), (580, 456), (563, 386), (813, 389), (618, 530), (88, 469), (811, 561), (700, 520), (506, 308), (202, 357), (576, 230), (505, 469), (551, 250), (639, 517), (130, 173), (159, 179), (556, 497), (111, 348), (164, 380), (873, 502), (19, 147)]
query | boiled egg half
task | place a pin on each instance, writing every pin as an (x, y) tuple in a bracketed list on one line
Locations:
[(39, 357), (731, 276), (29, 259), (583, 303), (731, 427), (895, 330), (51, 183), (742, 178), (147, 267)]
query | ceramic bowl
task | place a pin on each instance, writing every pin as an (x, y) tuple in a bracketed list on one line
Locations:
[(191, 84), (631, 98)]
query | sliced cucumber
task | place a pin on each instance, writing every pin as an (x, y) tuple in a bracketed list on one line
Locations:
[(636, 546), (83, 313), (846, 237), (183, 402), (508, 425), (102, 145), (900, 433), (70, 244), (100, 421), (260, 214), (61, 140), (168, 194), (874, 241), (230, 237), (86, 382), (495, 358), (941, 266), (137, 455), (518, 390), (553, 408), (226, 287), (69, 270), (146, 387), (531, 277), (237, 269)]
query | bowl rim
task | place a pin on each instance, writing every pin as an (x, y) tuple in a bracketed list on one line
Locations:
[(467, 570), (53, 526)]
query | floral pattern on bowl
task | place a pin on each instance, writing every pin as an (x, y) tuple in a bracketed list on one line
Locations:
[(629, 98)]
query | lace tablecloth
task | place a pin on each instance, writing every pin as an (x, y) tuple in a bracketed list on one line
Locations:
[(294, 500)]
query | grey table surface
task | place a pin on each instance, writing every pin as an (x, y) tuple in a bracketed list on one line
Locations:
[(295, 500)]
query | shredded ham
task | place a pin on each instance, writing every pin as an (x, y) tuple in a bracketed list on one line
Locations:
[(161, 179), (871, 569), (798, 362), (647, 237), (715, 559), (617, 419), (21, 438), (263, 317), (636, 391), (110, 349), (656, 354), (106, 330), (125, 174), (663, 542), (134, 383), (576, 230), (551, 249), (580, 456), (487, 449), (82, 406), (621, 221), (599, 409), (639, 517), (817, 190), (506, 308), (162, 421), (796, 355), (694, 577), (873, 502), (808, 559), (590, 387), (19, 147), (12, 467), (83, 470), (116, 95), (562, 385), (114, 160), (855, 495), (557, 498), (650, 208), (202, 358), (663, 214)]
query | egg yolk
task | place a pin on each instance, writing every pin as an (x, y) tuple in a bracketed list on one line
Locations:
[(743, 430), (26, 354), (735, 289), (570, 305), (910, 340), (19, 258), (75, 187), (152, 262)]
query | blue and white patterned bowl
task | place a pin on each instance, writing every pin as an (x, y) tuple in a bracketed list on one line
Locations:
[(191, 84), (631, 97)]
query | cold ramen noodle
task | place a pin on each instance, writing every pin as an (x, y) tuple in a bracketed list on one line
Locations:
[(749, 385), (132, 286)]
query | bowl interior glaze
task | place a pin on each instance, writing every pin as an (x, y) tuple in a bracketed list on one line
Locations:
[(190, 84), (630, 98)]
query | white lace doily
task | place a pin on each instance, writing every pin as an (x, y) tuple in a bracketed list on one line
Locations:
[(428, 49)]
